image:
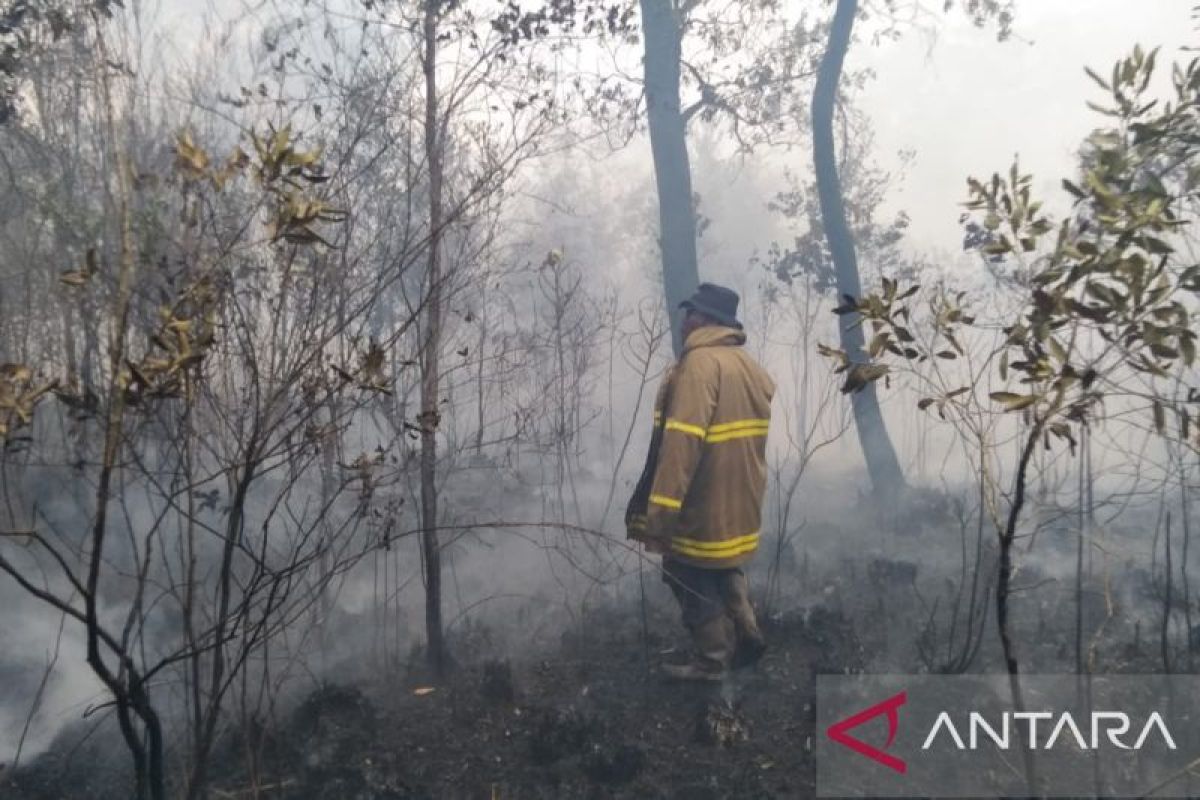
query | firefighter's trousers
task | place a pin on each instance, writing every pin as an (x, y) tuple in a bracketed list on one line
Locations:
[(716, 611)]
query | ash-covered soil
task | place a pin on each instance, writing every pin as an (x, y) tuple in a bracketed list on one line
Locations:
[(587, 716), (592, 720)]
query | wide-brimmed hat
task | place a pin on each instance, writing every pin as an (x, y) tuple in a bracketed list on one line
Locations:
[(715, 301)]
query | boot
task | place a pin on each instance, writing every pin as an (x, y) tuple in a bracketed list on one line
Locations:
[(749, 652), (713, 640), (750, 642)]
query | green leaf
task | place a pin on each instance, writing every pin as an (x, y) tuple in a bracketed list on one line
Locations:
[(1063, 431), (998, 247), (834, 353), (1100, 81), (879, 342), (859, 375), (1157, 246), (1057, 350), (1187, 348), (849, 305)]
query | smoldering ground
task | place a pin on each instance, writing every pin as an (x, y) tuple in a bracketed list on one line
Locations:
[(552, 676), (294, 601), (551, 615)]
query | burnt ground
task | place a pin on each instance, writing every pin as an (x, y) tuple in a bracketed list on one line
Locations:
[(586, 716), (593, 721)]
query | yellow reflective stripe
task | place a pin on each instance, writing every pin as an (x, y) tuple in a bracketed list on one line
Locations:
[(719, 433), (705, 554), (723, 544), (742, 434), (715, 550), (676, 425), (738, 429), (738, 424), (669, 502)]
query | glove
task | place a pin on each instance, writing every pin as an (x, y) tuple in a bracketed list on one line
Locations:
[(635, 529)]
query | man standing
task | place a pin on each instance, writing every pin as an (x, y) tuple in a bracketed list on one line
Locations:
[(699, 500)]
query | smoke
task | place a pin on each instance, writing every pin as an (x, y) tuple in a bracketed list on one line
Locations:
[(544, 434)]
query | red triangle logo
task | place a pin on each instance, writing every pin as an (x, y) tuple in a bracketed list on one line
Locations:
[(838, 731)]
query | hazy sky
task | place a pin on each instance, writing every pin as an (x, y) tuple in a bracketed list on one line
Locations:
[(967, 104), (964, 103)]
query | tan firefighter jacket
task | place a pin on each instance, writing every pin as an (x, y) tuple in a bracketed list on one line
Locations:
[(706, 472)]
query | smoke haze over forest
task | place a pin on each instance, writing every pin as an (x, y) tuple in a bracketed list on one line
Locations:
[(330, 334)]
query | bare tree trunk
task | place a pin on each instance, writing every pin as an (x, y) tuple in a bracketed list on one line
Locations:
[(1004, 590), (1167, 599), (126, 684), (882, 464), (1085, 479), (1184, 518), (480, 348), (226, 589), (662, 36), (430, 361)]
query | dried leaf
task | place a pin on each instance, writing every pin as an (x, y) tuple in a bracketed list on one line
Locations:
[(1013, 401)]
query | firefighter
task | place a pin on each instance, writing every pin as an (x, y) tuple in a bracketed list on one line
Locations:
[(699, 500)]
